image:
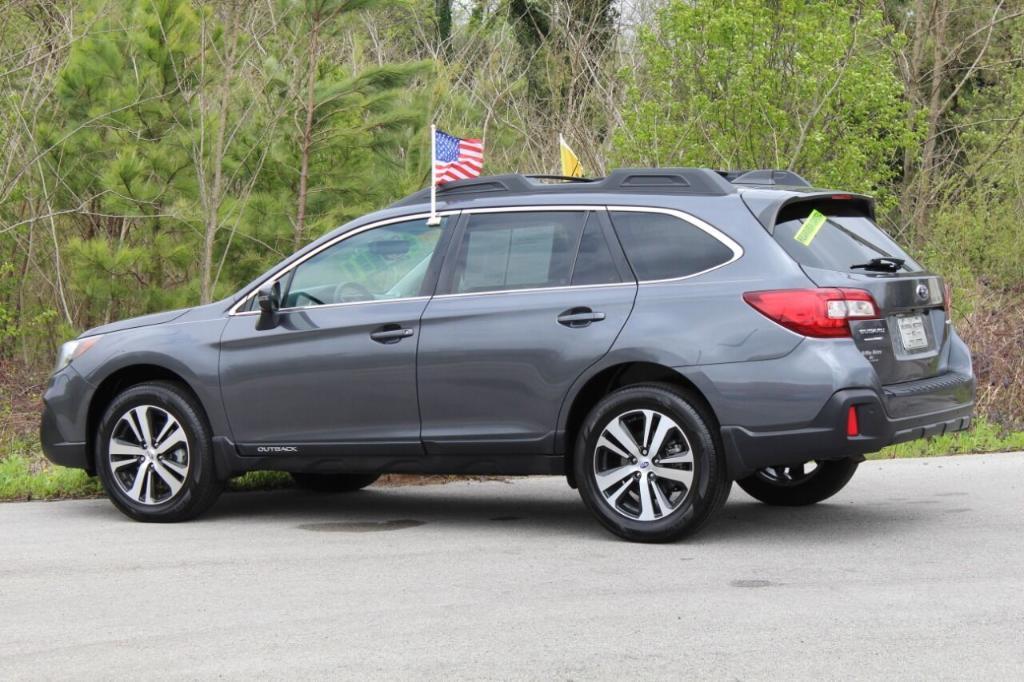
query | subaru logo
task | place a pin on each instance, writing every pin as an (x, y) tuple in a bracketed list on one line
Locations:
[(923, 292), (644, 464)]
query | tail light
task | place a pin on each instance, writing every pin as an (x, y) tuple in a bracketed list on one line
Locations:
[(820, 313), (947, 299), (852, 425)]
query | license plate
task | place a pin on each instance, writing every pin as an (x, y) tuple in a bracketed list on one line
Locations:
[(912, 333)]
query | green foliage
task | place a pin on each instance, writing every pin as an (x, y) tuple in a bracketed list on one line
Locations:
[(977, 232), (152, 151), (796, 84), (27, 477), (261, 480), (983, 436), (122, 151)]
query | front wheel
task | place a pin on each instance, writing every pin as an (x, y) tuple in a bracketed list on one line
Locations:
[(334, 483), (647, 464), (799, 485), (154, 454)]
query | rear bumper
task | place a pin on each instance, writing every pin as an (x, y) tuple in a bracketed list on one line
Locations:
[(899, 413)]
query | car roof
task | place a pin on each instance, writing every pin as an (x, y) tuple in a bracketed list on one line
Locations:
[(646, 181), (764, 192)]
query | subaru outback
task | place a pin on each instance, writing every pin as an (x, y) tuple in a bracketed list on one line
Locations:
[(652, 336)]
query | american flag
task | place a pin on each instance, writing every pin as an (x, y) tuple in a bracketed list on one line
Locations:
[(456, 159)]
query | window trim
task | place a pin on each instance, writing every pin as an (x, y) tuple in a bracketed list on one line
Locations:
[(688, 218), (711, 230), (235, 311), (459, 232), (446, 281)]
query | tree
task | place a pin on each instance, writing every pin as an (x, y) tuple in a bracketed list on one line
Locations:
[(332, 95), (120, 158), (795, 84), (947, 51)]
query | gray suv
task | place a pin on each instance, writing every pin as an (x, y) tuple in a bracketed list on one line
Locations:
[(652, 336)]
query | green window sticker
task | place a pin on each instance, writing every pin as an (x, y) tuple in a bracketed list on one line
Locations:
[(809, 230)]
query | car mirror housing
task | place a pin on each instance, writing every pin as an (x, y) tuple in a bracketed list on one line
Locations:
[(269, 299)]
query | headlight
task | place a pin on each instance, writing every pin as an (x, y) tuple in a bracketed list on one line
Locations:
[(73, 349)]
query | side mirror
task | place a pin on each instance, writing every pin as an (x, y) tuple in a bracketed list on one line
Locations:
[(269, 299)]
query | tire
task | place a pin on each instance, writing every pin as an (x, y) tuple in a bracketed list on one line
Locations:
[(685, 478), (793, 486), (177, 483), (334, 483)]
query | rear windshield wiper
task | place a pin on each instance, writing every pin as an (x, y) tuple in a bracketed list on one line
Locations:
[(887, 264)]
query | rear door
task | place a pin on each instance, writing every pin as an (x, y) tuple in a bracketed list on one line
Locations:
[(911, 339), (527, 300)]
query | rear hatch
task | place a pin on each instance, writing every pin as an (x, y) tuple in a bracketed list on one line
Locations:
[(837, 243)]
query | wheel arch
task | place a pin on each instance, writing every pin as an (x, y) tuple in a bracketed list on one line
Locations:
[(614, 377), (118, 381)]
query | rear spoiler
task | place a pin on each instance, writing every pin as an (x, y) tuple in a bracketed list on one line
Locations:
[(767, 205)]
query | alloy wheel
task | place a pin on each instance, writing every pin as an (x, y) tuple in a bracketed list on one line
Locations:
[(643, 465), (148, 455)]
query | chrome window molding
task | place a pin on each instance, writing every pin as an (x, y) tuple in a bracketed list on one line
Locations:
[(340, 238), (536, 290), (732, 245), (737, 252), (537, 209), (294, 309)]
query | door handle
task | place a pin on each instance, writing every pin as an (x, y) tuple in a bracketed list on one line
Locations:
[(579, 317), (390, 333)]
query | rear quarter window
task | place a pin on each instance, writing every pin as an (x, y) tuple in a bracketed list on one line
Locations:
[(662, 246), (847, 238)]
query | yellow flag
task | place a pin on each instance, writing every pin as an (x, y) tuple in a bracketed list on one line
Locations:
[(570, 162)]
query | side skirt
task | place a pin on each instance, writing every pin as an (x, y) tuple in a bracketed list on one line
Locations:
[(230, 463)]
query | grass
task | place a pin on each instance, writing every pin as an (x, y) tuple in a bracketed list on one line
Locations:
[(26, 475), (983, 436)]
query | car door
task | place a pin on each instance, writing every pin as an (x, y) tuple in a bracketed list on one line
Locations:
[(527, 300), (337, 373)]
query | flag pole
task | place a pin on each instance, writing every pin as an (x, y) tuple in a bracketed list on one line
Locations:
[(434, 219)]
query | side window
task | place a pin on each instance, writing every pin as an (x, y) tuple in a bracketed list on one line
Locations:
[(661, 246), (594, 262), (517, 250), (384, 263)]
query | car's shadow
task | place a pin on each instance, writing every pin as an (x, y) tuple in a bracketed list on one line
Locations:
[(843, 518)]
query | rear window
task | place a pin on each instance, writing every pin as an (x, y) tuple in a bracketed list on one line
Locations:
[(661, 246), (847, 238)]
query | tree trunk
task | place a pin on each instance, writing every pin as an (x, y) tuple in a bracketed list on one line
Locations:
[(443, 16), (912, 88), (215, 195), (307, 135), (924, 188)]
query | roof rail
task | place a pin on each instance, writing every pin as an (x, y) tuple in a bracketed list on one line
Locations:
[(563, 178), (764, 176), (692, 181)]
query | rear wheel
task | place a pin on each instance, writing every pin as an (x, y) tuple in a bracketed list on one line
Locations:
[(647, 465), (799, 484), (154, 454), (334, 483)]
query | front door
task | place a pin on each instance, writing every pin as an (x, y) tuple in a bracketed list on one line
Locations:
[(528, 301), (337, 374)]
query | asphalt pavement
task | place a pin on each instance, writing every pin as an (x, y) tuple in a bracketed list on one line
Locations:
[(915, 571)]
